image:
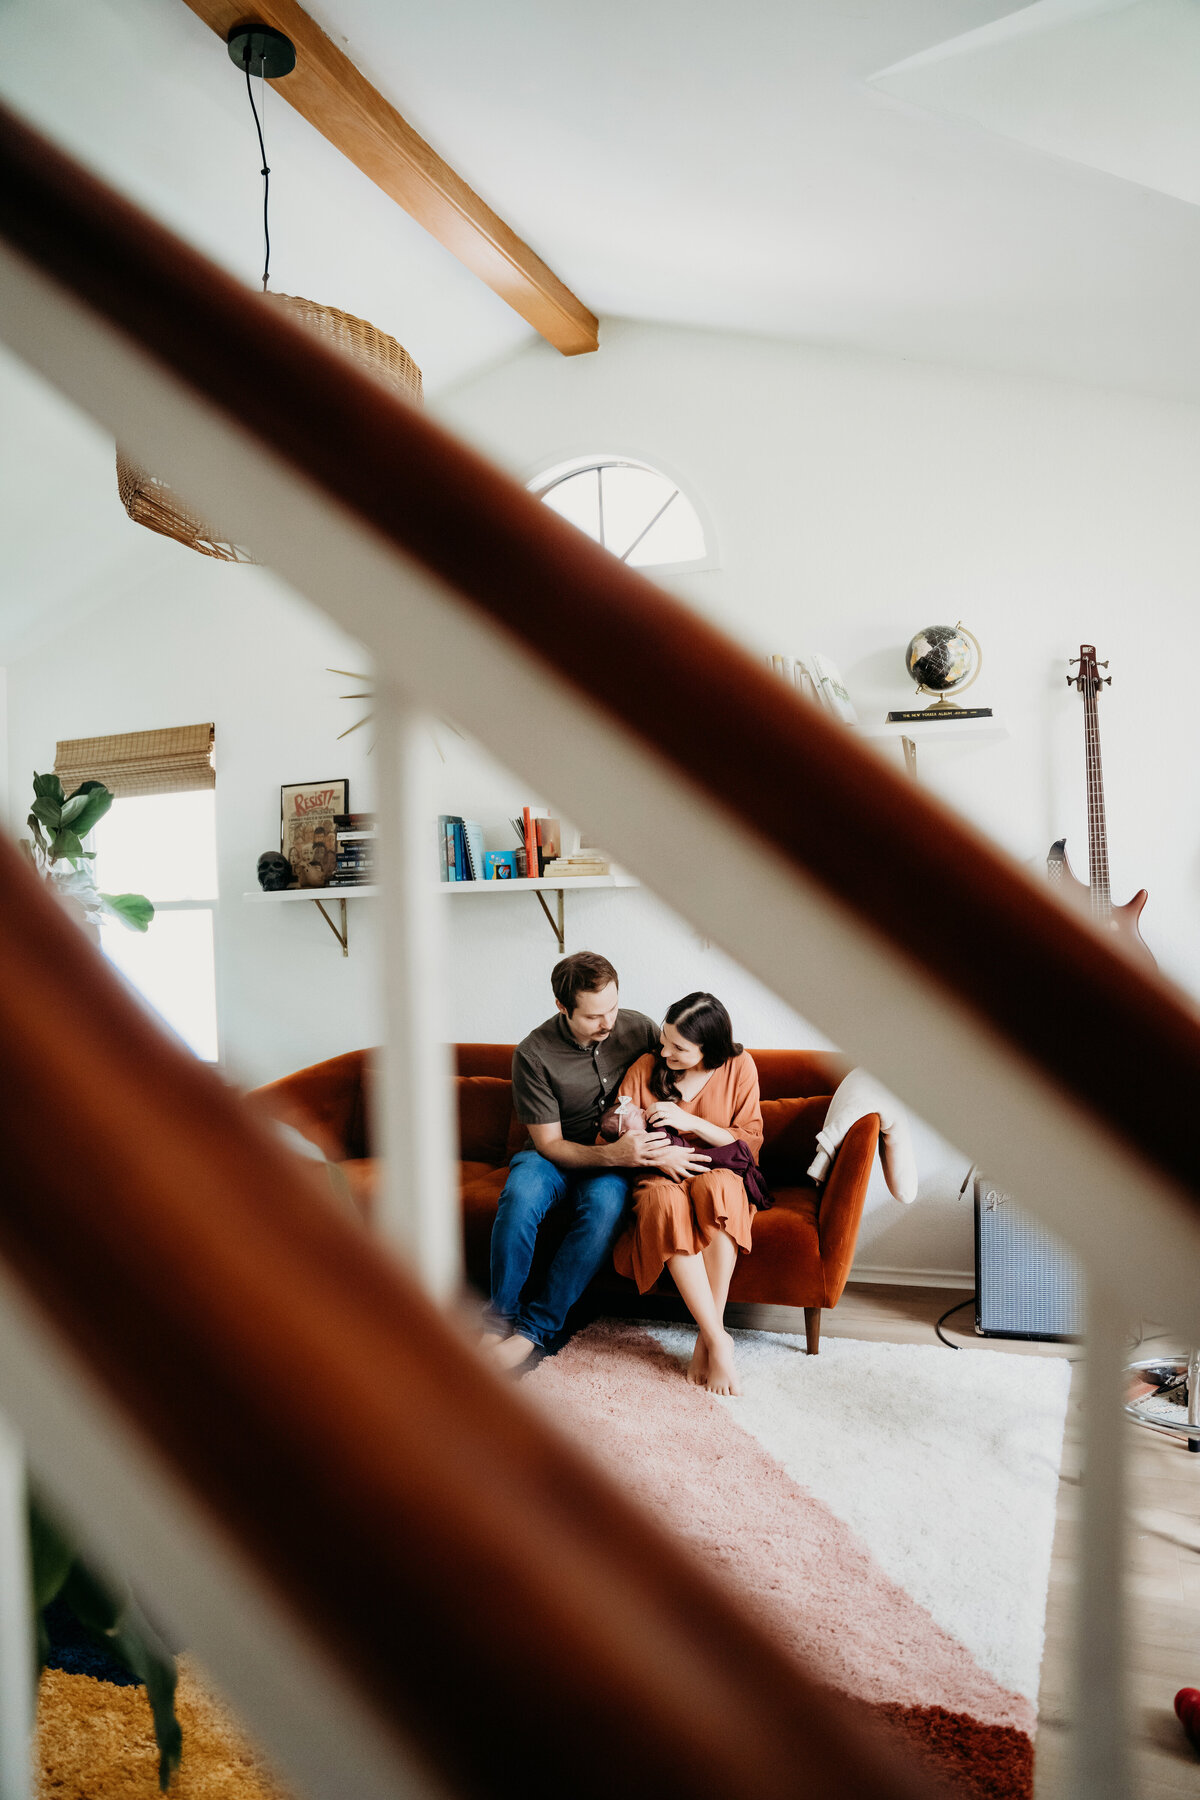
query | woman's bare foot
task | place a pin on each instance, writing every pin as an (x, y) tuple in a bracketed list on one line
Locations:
[(698, 1367), (513, 1352), (722, 1372)]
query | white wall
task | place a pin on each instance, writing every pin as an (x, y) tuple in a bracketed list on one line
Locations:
[(853, 500)]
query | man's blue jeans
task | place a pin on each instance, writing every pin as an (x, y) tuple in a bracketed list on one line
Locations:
[(535, 1186)]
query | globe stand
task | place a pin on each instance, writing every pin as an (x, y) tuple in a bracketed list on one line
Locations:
[(943, 707)]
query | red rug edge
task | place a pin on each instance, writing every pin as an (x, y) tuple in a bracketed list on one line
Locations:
[(985, 1762)]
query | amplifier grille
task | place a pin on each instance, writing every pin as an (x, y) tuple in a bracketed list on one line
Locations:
[(1027, 1283)]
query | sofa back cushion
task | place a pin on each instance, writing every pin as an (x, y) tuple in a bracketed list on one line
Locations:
[(780, 1072), (790, 1130), (484, 1119)]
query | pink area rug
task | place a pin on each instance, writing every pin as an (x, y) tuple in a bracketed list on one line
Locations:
[(886, 1510)]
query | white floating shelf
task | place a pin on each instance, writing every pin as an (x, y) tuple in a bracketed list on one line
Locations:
[(567, 884), (318, 894), (555, 884), (976, 731)]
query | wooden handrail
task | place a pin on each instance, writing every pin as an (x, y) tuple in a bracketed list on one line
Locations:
[(1105, 1034), (496, 1599)]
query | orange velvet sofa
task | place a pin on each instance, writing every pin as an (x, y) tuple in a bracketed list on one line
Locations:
[(803, 1245)]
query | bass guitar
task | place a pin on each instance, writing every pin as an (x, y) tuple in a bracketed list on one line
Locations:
[(1095, 895)]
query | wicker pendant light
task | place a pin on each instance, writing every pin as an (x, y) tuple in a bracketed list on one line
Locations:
[(260, 50)]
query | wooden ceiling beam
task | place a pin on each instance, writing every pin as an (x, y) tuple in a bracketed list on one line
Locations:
[(327, 90)]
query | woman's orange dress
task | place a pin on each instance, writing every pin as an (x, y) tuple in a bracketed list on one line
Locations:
[(679, 1218)]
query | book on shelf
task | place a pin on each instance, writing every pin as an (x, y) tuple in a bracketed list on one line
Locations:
[(446, 847), (833, 689), (500, 865), (817, 678), (564, 867), (532, 864), (549, 839), (356, 821), (473, 842), (460, 846), (932, 715), (345, 878)]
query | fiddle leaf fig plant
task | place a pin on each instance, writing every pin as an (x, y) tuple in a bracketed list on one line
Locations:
[(59, 823), (112, 1616)]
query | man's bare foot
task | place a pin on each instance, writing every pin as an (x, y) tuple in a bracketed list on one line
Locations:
[(698, 1367), (722, 1372), (513, 1352)]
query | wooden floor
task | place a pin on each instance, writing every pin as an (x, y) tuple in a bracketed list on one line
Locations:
[(1164, 1543)]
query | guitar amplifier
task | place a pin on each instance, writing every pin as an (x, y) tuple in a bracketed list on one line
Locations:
[(1027, 1283)]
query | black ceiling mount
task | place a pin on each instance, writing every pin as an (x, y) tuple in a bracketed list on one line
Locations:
[(261, 50)]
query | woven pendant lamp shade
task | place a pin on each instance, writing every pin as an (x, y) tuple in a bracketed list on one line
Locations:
[(150, 502)]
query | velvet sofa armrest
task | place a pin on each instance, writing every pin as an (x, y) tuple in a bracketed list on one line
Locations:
[(842, 1199)]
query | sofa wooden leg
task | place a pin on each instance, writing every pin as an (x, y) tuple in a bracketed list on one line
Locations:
[(812, 1329)]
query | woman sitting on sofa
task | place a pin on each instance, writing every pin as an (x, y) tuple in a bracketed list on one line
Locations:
[(694, 1214)]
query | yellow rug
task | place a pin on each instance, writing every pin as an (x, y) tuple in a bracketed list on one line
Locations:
[(96, 1742)]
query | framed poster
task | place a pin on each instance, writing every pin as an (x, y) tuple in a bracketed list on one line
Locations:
[(307, 833)]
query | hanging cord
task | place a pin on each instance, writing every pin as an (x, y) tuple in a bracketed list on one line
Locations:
[(265, 171)]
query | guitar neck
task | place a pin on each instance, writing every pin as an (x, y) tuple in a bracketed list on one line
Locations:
[(1101, 893)]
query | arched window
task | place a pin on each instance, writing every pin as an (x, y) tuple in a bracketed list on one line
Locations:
[(632, 509)]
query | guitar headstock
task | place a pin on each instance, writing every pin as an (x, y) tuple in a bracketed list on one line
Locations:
[(1089, 679)]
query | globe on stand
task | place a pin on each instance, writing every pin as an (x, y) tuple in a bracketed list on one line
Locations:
[(943, 659)]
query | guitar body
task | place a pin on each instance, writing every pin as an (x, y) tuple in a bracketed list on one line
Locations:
[(1123, 920)]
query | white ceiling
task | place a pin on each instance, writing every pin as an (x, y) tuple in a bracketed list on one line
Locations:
[(1010, 199)]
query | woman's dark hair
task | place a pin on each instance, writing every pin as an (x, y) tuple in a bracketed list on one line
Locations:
[(702, 1020)]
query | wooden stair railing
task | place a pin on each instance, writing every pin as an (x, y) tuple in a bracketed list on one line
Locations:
[(1037, 1042), (495, 1599), (1108, 1036)]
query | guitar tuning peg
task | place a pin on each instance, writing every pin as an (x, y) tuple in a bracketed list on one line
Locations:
[(1070, 681), (1104, 665), (1071, 661), (1107, 678)]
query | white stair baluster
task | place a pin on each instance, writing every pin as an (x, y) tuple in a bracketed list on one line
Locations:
[(1099, 1713), (16, 1645), (419, 1206)]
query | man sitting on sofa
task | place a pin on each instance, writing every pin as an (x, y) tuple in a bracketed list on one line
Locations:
[(564, 1076)]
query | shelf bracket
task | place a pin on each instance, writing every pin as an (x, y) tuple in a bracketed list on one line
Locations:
[(910, 755), (342, 936), (558, 927)]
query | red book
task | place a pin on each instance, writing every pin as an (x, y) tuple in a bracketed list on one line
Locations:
[(532, 866)]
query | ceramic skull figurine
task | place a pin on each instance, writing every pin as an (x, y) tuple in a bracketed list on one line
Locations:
[(274, 872)]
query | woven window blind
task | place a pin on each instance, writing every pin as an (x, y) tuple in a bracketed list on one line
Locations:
[(175, 760)]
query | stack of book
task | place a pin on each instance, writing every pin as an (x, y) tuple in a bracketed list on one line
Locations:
[(817, 679), (582, 862), (460, 842), (355, 835), (540, 839)]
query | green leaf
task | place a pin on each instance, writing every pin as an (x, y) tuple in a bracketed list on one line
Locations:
[(48, 811), (50, 1555), (93, 806), (48, 787), (117, 1617), (133, 910), (94, 1603), (73, 807), (66, 844)]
